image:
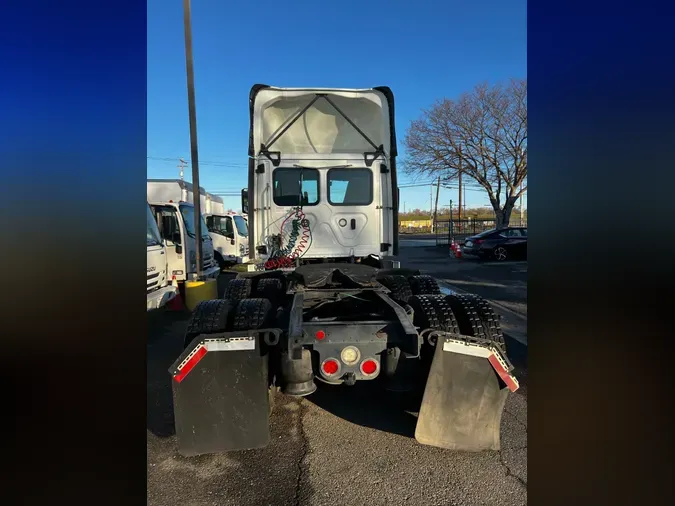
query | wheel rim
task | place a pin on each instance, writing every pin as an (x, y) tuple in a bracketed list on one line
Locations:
[(500, 253)]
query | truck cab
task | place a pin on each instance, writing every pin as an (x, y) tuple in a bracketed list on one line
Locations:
[(175, 220), (159, 289), (229, 233), (325, 193)]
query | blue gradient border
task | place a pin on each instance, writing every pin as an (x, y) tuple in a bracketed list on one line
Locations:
[(72, 148), (73, 153), (601, 102)]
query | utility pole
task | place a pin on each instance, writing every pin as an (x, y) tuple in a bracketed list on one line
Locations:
[(438, 189), (459, 211), (181, 167), (450, 225), (431, 206), (196, 192), (521, 204), (460, 185), (465, 202)]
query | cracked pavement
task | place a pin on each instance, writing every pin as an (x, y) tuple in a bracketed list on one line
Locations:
[(323, 456), (341, 445)]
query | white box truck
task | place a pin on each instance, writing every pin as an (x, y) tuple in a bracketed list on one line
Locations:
[(171, 201), (229, 233), (159, 287), (212, 204)]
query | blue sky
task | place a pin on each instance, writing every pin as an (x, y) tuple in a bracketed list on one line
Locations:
[(423, 50)]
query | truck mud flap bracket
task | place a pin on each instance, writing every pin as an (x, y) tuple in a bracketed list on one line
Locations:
[(220, 392)]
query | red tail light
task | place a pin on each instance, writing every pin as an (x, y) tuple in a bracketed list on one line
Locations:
[(330, 367), (369, 367)]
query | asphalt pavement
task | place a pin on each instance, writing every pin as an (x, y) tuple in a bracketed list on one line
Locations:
[(503, 283), (340, 445)]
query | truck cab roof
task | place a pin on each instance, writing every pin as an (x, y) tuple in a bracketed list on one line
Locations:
[(370, 108)]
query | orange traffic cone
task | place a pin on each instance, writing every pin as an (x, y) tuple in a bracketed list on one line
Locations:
[(176, 304), (458, 251)]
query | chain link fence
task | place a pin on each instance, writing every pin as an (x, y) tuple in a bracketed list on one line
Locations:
[(461, 229)]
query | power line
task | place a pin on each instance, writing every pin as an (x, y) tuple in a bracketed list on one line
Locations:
[(444, 186), (215, 164)]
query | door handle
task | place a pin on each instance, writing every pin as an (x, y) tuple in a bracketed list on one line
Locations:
[(353, 224)]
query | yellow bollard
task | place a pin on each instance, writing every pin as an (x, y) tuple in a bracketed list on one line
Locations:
[(197, 291)]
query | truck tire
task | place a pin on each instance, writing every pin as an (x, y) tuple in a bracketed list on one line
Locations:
[(429, 312), (251, 314), (488, 318), (270, 289), (424, 285), (209, 317), (238, 289), (433, 312), (398, 286), (474, 319)]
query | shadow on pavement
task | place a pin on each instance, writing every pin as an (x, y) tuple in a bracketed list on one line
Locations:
[(166, 330), (368, 405)]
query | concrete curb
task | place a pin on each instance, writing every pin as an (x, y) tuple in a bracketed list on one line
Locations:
[(512, 323)]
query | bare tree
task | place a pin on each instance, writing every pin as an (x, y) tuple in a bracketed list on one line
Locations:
[(483, 135)]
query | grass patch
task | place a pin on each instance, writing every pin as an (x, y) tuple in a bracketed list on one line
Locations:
[(238, 268)]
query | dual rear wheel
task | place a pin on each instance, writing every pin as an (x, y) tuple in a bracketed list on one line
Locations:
[(463, 314), (241, 309)]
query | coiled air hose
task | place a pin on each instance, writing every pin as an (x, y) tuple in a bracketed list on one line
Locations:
[(296, 246)]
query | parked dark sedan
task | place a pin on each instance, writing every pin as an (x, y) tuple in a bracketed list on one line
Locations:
[(506, 243)]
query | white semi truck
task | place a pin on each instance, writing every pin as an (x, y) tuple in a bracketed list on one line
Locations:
[(160, 290), (329, 301), (171, 204)]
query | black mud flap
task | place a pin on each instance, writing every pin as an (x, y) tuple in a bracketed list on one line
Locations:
[(220, 395), (462, 404)]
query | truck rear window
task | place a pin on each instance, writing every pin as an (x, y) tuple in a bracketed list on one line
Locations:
[(294, 186), (350, 187)]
